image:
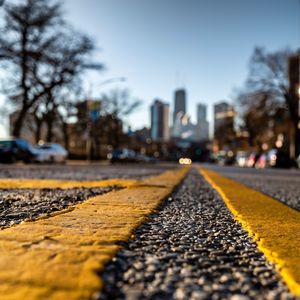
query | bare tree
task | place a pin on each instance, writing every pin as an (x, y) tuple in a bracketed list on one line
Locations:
[(27, 32), (65, 63), (43, 56), (119, 105), (265, 99)]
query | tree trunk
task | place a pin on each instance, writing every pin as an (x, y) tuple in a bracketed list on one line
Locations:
[(297, 140), (66, 135), (117, 142), (38, 128), (49, 135), (49, 122), (17, 126), (37, 134)]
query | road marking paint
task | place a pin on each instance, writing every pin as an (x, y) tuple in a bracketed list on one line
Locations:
[(60, 257), (274, 226), (63, 184)]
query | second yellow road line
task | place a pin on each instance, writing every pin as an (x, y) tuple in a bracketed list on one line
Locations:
[(60, 257), (63, 184), (274, 226)]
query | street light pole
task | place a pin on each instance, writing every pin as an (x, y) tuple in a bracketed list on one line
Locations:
[(91, 120)]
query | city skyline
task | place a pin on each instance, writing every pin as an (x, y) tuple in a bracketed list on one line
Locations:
[(166, 123), (168, 45)]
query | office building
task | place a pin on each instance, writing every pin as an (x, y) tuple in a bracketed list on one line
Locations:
[(224, 114), (160, 121), (179, 103), (183, 128), (202, 127)]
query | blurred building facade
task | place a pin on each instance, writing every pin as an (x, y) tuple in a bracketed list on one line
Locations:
[(143, 134), (183, 127), (224, 133), (202, 128), (179, 103), (160, 121)]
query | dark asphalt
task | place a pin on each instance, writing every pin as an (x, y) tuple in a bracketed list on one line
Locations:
[(192, 248), (83, 171), (282, 184), (17, 205)]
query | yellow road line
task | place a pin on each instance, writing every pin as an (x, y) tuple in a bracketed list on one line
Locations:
[(274, 226), (59, 257), (63, 184)]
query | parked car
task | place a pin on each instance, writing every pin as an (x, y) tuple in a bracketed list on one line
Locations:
[(262, 161), (52, 153), (12, 150), (185, 161), (252, 159), (241, 159), (122, 156), (278, 159), (225, 158)]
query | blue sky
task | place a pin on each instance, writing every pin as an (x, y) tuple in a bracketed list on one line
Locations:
[(202, 45)]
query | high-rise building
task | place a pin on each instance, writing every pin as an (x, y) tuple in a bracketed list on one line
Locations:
[(224, 114), (202, 124), (201, 112), (179, 103), (160, 121)]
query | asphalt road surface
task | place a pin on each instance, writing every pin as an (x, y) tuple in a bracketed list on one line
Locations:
[(282, 184), (190, 248), (82, 171)]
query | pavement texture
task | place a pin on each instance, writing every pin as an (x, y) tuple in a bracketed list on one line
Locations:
[(280, 184), (83, 171), (57, 257), (17, 205), (273, 225), (192, 249)]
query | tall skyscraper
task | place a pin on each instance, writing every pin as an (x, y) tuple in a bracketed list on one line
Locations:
[(160, 121), (202, 124), (179, 103)]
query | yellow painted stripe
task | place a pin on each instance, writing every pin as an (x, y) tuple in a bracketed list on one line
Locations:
[(59, 257), (274, 226), (63, 184)]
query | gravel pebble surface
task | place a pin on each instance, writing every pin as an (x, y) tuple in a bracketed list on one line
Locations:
[(17, 205), (283, 185), (192, 249), (83, 172)]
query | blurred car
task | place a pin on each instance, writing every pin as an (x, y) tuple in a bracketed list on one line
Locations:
[(12, 150), (241, 158), (225, 158), (122, 156), (278, 159), (185, 161), (252, 159), (262, 161), (52, 153)]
